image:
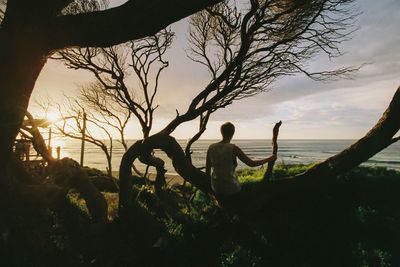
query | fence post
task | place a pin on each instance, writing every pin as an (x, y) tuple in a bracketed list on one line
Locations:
[(83, 137)]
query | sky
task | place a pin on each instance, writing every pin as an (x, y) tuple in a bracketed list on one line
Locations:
[(344, 109)]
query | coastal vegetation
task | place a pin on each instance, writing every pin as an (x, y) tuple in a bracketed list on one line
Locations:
[(353, 222)]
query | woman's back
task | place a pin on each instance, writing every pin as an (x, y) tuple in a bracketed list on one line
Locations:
[(223, 169)]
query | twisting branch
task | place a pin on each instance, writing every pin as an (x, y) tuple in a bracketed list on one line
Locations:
[(202, 128), (270, 167), (110, 67), (120, 24), (31, 131), (147, 61), (245, 54), (109, 112)]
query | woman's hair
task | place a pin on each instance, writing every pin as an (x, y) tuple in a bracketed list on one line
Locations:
[(227, 130)]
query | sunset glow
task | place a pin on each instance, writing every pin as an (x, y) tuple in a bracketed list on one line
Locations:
[(52, 117)]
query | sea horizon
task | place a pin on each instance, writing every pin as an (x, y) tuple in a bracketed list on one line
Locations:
[(290, 151)]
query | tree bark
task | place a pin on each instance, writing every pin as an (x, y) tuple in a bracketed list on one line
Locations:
[(125, 177)]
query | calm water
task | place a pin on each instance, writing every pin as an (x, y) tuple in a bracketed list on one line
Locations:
[(290, 152)]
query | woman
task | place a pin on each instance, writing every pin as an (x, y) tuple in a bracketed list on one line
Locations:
[(222, 162)]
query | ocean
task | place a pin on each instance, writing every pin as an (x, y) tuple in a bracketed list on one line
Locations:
[(290, 152)]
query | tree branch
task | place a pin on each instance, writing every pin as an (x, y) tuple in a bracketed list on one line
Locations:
[(129, 21), (271, 164)]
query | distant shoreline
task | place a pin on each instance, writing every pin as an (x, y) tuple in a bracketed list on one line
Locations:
[(289, 152)]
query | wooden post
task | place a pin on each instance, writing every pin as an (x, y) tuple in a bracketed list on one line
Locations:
[(58, 151), (83, 137), (49, 141), (27, 151)]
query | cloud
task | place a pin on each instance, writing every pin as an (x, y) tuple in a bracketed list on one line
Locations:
[(375, 43), (343, 113)]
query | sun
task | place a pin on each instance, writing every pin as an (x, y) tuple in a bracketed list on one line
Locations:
[(52, 116)]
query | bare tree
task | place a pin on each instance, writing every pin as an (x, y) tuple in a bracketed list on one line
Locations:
[(47, 28), (245, 54), (111, 66), (73, 117), (111, 113), (260, 49)]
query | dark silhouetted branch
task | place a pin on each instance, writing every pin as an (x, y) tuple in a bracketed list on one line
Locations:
[(130, 21), (270, 167)]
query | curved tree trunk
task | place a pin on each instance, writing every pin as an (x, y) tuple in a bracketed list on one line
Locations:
[(21, 62), (157, 163), (174, 151), (378, 138)]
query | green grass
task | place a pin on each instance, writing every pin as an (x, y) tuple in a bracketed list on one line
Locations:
[(255, 175)]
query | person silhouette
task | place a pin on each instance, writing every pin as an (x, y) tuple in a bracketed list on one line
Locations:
[(221, 164)]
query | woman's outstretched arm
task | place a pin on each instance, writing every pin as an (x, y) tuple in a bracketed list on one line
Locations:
[(248, 161)]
